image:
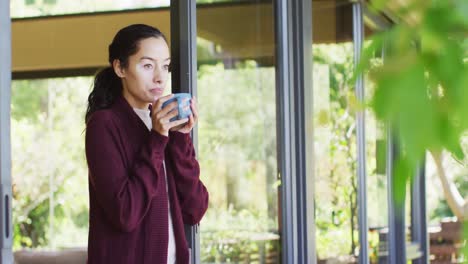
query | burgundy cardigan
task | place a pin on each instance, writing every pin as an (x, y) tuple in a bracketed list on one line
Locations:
[(128, 217)]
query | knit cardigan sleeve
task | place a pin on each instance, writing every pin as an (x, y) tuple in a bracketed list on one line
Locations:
[(192, 194), (123, 190)]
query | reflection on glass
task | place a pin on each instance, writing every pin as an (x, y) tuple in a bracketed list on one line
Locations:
[(36, 8), (237, 137), (50, 189)]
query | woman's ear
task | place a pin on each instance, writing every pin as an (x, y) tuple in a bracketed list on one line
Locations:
[(118, 68)]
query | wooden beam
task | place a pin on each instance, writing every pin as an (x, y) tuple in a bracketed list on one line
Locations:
[(59, 45), (73, 42)]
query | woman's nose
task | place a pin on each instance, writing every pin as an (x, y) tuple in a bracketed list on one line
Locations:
[(157, 76)]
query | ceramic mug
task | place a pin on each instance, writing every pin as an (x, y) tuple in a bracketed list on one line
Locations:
[(183, 105)]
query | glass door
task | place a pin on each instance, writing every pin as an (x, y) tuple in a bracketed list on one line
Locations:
[(237, 131)]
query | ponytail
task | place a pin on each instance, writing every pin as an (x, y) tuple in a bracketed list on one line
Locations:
[(107, 88)]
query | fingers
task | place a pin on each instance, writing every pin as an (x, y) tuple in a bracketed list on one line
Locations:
[(177, 122), (194, 106), (191, 122), (192, 118), (166, 111), (162, 116), (162, 120), (167, 118), (163, 125), (186, 125), (158, 104)]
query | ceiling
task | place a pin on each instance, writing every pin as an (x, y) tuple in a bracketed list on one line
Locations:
[(77, 44)]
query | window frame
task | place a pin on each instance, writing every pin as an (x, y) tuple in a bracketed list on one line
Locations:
[(5, 142)]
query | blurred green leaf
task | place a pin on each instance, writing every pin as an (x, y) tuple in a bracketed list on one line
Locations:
[(378, 4), (422, 87), (401, 176), (461, 9)]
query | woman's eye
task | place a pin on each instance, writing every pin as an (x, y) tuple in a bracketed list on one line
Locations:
[(148, 66), (166, 67)]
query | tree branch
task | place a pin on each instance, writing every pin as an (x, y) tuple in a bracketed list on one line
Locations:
[(454, 199)]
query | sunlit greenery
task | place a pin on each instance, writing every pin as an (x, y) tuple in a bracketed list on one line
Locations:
[(335, 148), (421, 89), (48, 162), (237, 152)]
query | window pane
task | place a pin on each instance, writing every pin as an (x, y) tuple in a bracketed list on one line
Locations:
[(335, 106), (49, 173), (237, 134), (335, 148), (377, 195)]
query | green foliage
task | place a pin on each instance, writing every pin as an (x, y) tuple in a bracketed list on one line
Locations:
[(335, 149), (237, 236), (421, 89), (31, 232), (28, 100), (39, 2), (48, 165), (237, 140), (237, 154)]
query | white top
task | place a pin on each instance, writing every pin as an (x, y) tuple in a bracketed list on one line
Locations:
[(171, 249)]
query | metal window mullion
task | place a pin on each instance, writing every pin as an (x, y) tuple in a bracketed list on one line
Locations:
[(396, 242), (184, 80), (285, 146), (391, 214), (304, 11), (303, 112), (293, 72), (418, 207), (5, 142), (358, 35), (419, 214)]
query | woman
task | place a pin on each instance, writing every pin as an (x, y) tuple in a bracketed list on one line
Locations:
[(143, 176)]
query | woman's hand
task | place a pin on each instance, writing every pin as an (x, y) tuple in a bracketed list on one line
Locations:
[(193, 118), (161, 116)]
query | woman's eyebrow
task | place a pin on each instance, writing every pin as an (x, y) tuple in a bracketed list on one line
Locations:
[(152, 59), (147, 58)]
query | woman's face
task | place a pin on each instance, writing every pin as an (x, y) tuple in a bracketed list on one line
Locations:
[(145, 77)]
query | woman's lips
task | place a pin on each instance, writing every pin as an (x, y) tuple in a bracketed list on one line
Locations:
[(156, 91)]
